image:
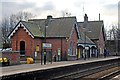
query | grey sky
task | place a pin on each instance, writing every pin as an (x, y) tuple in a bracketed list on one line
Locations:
[(119, 14), (107, 8)]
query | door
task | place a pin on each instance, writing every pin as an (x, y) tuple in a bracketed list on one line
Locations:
[(22, 47)]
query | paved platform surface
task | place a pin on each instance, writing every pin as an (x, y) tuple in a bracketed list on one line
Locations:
[(9, 70)]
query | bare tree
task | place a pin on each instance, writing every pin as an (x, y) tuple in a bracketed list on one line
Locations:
[(27, 15), (118, 34), (12, 21), (112, 33), (113, 37), (9, 23), (5, 31), (65, 13), (15, 18), (118, 42)]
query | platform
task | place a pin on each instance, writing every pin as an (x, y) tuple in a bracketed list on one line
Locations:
[(16, 69)]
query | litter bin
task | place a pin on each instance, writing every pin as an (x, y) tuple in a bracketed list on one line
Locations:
[(29, 60), (4, 61)]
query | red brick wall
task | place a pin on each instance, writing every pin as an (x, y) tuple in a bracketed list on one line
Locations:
[(30, 43), (64, 44), (22, 35), (13, 56), (73, 39), (101, 43), (60, 43), (37, 42)]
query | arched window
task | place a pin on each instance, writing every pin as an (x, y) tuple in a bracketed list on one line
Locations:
[(71, 48)]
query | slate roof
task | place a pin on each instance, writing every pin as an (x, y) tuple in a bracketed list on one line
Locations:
[(94, 26), (57, 27), (33, 28), (83, 38)]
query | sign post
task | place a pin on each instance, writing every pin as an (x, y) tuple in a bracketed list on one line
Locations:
[(59, 51), (47, 46)]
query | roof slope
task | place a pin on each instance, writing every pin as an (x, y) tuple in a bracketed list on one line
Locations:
[(94, 26), (84, 39), (33, 28), (57, 27)]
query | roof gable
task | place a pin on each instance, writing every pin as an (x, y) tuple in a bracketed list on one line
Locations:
[(94, 26), (20, 24), (84, 39)]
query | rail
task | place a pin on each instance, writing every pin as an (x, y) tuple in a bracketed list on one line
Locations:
[(110, 75), (71, 72), (86, 72)]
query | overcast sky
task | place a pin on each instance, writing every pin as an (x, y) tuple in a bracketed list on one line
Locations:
[(41, 8)]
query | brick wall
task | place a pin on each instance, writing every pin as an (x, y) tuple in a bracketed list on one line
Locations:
[(31, 43), (37, 42), (73, 39), (101, 42), (22, 35), (58, 43), (13, 56)]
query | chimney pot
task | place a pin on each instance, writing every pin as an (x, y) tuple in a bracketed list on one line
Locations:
[(49, 17), (85, 17)]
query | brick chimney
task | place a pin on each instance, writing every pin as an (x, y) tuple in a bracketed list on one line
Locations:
[(49, 17), (85, 21), (85, 17)]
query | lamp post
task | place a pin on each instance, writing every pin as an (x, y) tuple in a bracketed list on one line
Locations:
[(85, 46), (46, 25), (85, 50)]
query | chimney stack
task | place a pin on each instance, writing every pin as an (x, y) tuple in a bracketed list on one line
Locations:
[(85, 17), (49, 17)]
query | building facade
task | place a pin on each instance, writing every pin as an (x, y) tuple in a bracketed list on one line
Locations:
[(94, 30), (54, 36)]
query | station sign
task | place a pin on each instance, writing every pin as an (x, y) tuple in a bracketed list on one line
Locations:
[(37, 48), (86, 48), (59, 51), (47, 45)]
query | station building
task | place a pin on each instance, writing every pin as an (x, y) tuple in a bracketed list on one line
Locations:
[(63, 38), (55, 36), (93, 30)]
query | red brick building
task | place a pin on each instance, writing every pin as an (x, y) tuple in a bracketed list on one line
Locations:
[(55, 36), (97, 34)]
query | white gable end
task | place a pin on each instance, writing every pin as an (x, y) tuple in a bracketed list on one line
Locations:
[(19, 25)]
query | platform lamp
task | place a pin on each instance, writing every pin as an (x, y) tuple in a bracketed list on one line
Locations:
[(84, 43), (46, 25), (41, 46), (85, 51)]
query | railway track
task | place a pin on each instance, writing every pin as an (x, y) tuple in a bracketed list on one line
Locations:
[(103, 72), (110, 75), (86, 71)]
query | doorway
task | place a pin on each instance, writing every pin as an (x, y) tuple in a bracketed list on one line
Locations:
[(22, 47)]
